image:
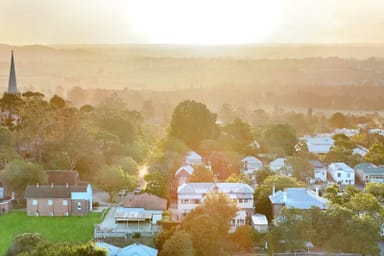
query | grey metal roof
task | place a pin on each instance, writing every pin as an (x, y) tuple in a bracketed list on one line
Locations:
[(52, 191), (299, 198)]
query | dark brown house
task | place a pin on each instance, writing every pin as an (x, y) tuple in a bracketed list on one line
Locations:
[(146, 201), (58, 200)]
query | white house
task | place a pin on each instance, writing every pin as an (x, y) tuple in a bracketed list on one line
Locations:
[(319, 144), (377, 130), (191, 195), (182, 174), (192, 158), (251, 164), (259, 222), (347, 132), (319, 171), (342, 173), (360, 150)]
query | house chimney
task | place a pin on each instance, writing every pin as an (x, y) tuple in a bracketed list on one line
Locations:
[(66, 185), (273, 190), (317, 191)]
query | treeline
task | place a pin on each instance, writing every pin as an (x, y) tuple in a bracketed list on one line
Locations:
[(107, 140)]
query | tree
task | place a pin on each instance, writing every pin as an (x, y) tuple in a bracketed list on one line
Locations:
[(201, 174), (243, 237), (113, 179), (209, 223), (242, 135), (366, 204), (7, 151), (179, 244), (49, 248), (280, 139), (338, 120), (192, 122), (262, 174), (302, 169), (156, 184), (225, 163), (376, 189), (24, 243), (127, 164), (291, 231), (355, 233), (341, 151), (375, 154), (19, 173), (57, 101), (338, 197)]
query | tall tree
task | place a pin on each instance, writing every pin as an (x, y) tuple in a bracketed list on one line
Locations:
[(19, 173), (280, 139), (112, 179), (302, 169), (338, 120), (376, 154), (179, 244), (193, 122), (209, 223), (156, 184)]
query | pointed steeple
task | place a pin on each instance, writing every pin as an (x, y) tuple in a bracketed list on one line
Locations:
[(12, 87)]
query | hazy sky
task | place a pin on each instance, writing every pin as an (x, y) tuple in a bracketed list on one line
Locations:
[(191, 22)]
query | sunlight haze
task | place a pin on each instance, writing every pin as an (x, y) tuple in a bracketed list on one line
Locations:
[(190, 22)]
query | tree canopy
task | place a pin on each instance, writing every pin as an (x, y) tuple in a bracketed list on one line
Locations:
[(193, 122)]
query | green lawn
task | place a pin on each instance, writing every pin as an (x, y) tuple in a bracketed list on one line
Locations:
[(71, 228)]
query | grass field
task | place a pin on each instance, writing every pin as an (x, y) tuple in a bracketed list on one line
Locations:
[(71, 228)]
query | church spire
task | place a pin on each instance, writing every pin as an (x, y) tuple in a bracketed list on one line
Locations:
[(12, 87)]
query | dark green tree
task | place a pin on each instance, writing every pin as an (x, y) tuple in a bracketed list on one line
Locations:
[(280, 139), (156, 184), (375, 154), (192, 122), (25, 242), (19, 173)]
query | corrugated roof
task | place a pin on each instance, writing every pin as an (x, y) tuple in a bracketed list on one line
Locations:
[(146, 201), (137, 249), (63, 177), (299, 198), (205, 187), (52, 191), (187, 168)]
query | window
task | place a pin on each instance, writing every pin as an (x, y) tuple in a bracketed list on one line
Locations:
[(65, 202), (50, 202), (34, 202), (79, 206), (338, 175), (348, 175)]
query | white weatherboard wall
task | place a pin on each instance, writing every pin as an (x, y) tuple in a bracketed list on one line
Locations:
[(84, 196), (342, 173)]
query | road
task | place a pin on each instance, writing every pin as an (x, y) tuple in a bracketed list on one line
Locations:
[(143, 170)]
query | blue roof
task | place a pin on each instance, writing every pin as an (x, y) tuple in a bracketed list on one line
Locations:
[(135, 249), (299, 198)]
